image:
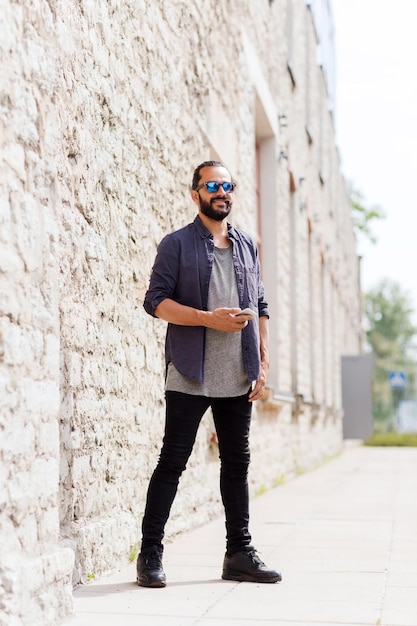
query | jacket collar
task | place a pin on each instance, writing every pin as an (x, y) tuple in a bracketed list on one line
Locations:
[(204, 232)]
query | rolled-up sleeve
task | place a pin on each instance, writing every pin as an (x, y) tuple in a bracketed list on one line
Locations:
[(164, 276), (262, 303)]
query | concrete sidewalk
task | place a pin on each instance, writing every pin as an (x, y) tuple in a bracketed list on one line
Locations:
[(344, 537)]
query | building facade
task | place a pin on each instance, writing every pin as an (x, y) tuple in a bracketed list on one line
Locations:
[(106, 107)]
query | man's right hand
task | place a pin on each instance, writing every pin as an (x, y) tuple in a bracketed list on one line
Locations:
[(225, 319)]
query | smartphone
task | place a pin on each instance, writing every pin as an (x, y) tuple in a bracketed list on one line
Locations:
[(247, 312)]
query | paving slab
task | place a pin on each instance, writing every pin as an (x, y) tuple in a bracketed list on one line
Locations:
[(343, 535)]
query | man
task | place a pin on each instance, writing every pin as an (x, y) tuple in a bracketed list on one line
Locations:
[(203, 276)]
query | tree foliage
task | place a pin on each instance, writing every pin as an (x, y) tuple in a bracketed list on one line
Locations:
[(363, 216), (390, 334)]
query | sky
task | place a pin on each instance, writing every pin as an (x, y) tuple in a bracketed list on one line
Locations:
[(376, 128)]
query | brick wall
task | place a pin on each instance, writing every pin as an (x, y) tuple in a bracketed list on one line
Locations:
[(105, 110)]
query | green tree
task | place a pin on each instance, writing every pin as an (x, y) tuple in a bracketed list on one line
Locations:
[(363, 215), (391, 336)]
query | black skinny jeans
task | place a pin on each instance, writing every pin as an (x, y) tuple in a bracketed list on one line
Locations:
[(232, 418)]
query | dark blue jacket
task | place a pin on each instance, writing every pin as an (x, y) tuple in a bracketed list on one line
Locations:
[(182, 271)]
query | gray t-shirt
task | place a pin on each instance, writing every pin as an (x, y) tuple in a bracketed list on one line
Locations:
[(224, 371)]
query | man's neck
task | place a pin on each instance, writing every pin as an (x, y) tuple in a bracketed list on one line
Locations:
[(218, 229)]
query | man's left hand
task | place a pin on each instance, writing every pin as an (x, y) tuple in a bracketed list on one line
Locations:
[(259, 388)]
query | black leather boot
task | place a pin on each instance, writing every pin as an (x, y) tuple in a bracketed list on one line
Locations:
[(248, 567), (149, 568)]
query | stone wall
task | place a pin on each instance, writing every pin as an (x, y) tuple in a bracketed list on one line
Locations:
[(106, 107)]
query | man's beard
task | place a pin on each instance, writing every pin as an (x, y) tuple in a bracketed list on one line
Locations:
[(215, 214)]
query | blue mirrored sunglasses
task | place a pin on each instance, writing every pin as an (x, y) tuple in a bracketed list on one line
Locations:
[(213, 187)]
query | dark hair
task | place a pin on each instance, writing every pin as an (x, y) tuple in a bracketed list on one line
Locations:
[(196, 175)]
